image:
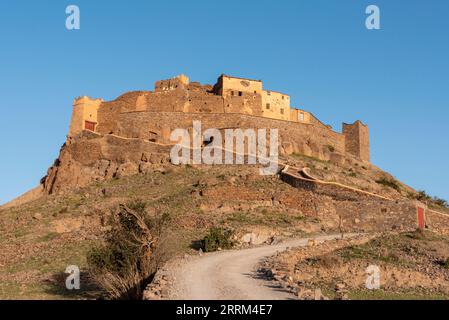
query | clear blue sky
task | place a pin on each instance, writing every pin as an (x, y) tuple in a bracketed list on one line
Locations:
[(318, 51)]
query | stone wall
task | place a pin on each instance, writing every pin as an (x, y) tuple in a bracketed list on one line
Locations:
[(361, 212), (437, 222), (294, 137)]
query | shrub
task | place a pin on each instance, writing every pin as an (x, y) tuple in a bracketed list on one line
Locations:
[(126, 262), (217, 238), (446, 263), (389, 183), (440, 202), (424, 197)]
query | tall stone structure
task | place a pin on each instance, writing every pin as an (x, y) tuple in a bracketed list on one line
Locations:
[(357, 140)]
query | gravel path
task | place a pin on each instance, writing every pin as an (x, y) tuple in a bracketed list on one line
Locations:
[(230, 275)]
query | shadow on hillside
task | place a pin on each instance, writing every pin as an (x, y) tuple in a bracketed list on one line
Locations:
[(56, 286), (196, 245)]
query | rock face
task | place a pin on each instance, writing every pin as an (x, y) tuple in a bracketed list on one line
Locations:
[(91, 157)]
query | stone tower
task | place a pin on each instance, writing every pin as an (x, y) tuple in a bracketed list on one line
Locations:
[(357, 140), (84, 115)]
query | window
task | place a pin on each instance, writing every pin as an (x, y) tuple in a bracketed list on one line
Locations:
[(301, 116), (268, 106), (232, 93), (282, 111), (255, 91), (282, 97), (240, 93), (268, 93)]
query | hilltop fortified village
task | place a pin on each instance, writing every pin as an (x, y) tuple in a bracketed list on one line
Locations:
[(231, 103), (107, 139)]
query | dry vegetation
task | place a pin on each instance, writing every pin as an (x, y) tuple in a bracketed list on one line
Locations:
[(40, 239)]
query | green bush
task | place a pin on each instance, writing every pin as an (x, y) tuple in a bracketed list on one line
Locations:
[(424, 197), (389, 183), (131, 253), (446, 264), (440, 202), (217, 238)]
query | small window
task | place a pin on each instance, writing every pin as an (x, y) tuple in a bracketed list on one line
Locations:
[(282, 97), (240, 93), (269, 93), (232, 93), (301, 116), (255, 91), (282, 111), (268, 106)]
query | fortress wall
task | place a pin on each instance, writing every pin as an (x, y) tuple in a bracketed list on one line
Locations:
[(108, 112), (108, 115), (173, 100), (202, 101), (361, 212), (248, 103), (294, 137), (437, 222)]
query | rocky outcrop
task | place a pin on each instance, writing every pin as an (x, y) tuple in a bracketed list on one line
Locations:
[(90, 157)]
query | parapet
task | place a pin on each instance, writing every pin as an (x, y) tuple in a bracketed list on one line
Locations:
[(86, 100), (180, 81)]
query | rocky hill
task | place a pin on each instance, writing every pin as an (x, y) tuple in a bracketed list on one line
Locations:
[(40, 238)]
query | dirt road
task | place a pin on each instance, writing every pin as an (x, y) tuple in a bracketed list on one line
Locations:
[(230, 275)]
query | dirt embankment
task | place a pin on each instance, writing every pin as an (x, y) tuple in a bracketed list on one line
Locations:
[(412, 265)]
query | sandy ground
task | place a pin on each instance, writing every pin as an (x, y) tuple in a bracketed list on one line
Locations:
[(231, 275)]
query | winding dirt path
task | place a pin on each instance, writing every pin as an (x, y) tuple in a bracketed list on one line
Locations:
[(231, 275)]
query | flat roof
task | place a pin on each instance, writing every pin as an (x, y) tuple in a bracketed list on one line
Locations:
[(225, 75), (285, 94)]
